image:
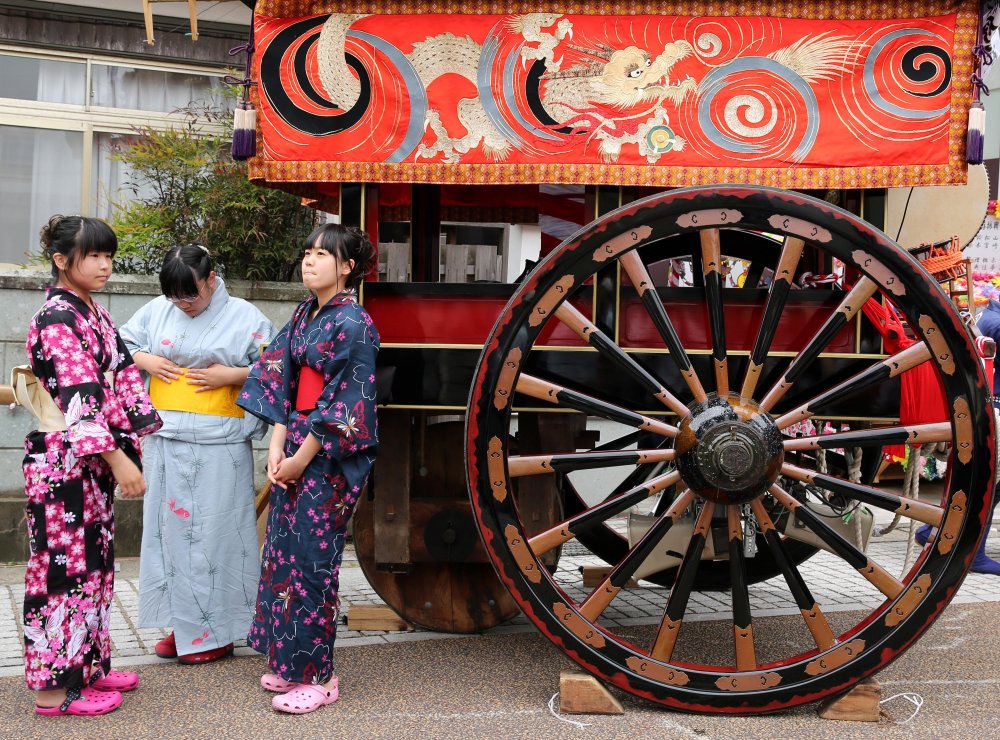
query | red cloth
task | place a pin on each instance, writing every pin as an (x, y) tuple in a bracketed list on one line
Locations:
[(921, 396), (310, 387)]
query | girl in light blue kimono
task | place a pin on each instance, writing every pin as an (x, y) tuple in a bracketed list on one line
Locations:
[(199, 561)]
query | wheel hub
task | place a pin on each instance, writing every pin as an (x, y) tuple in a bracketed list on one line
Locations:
[(729, 451)]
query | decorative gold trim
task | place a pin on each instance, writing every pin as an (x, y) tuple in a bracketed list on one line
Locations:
[(576, 624), (522, 554), (616, 245), (938, 343), (551, 299), (953, 520), (658, 671), (498, 478), (836, 657), (963, 429), (909, 600), (757, 681)]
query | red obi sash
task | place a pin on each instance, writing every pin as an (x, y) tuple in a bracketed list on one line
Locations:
[(310, 387)]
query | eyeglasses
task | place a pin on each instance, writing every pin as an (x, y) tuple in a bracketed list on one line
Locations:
[(184, 301)]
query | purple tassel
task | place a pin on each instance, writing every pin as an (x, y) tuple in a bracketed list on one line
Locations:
[(977, 128), (244, 133)]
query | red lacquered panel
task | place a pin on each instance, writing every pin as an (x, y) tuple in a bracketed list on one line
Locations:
[(799, 323), (437, 320)]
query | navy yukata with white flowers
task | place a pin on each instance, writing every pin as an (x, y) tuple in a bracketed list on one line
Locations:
[(295, 623)]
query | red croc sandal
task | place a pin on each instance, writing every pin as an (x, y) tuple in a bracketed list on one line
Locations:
[(305, 698), (86, 702), (117, 681), (167, 647), (272, 682)]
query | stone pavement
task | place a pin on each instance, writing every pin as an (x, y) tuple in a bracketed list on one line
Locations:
[(835, 585)]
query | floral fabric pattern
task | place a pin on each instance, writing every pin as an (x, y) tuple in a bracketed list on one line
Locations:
[(295, 623), (70, 489)]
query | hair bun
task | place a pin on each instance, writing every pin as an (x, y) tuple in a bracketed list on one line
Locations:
[(46, 235)]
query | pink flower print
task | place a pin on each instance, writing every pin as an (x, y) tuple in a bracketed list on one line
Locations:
[(178, 510), (200, 640)]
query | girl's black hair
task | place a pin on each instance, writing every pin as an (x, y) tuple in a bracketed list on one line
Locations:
[(75, 237), (346, 243), (182, 267)]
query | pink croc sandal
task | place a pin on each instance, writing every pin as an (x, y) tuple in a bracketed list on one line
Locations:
[(86, 702), (117, 681), (305, 698), (272, 682)]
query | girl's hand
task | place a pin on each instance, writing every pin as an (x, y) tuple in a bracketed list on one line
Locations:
[(213, 376), (128, 477), (274, 460), (159, 367), (289, 470)]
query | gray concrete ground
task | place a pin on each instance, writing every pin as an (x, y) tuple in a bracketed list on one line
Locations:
[(410, 684)]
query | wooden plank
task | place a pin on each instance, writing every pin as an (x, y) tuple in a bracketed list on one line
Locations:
[(581, 693), (391, 489), (485, 265), (860, 704), (456, 263), (375, 617)]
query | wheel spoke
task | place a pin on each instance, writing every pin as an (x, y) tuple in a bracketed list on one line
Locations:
[(551, 538), (874, 573), (846, 311), (746, 655), (673, 616), (617, 579), (711, 265), (916, 434), (640, 278), (814, 617), (791, 251), (909, 507), (556, 394), (600, 341), (521, 465), (890, 367)]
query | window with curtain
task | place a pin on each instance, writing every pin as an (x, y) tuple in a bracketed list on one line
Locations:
[(135, 88), (44, 80), (42, 174)]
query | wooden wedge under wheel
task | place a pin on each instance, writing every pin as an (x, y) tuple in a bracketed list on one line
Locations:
[(715, 401)]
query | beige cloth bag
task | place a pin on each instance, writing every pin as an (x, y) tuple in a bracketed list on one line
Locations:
[(30, 394)]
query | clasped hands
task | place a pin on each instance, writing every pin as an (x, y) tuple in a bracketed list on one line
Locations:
[(282, 470), (207, 378)]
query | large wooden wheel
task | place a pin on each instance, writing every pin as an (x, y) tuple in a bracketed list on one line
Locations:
[(733, 471)]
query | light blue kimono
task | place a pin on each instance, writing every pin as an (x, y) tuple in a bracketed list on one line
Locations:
[(199, 561)]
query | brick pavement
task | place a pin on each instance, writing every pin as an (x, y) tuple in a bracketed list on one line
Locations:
[(834, 584)]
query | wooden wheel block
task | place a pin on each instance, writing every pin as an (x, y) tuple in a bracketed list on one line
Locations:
[(594, 574), (376, 617), (860, 704), (581, 693)]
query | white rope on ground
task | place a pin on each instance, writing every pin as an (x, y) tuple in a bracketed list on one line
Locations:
[(916, 699), (555, 714)]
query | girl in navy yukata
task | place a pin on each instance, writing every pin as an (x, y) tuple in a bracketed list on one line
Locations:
[(316, 384)]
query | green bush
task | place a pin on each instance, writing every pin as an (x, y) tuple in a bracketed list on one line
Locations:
[(194, 193)]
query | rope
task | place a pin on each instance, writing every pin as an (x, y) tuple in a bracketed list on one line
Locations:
[(555, 714), (916, 699), (821, 461)]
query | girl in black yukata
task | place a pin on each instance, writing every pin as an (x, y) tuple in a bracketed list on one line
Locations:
[(316, 384)]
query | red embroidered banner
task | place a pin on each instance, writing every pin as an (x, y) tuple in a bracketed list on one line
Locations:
[(639, 100)]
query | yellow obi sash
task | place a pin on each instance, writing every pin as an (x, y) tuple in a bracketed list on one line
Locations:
[(179, 396)]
